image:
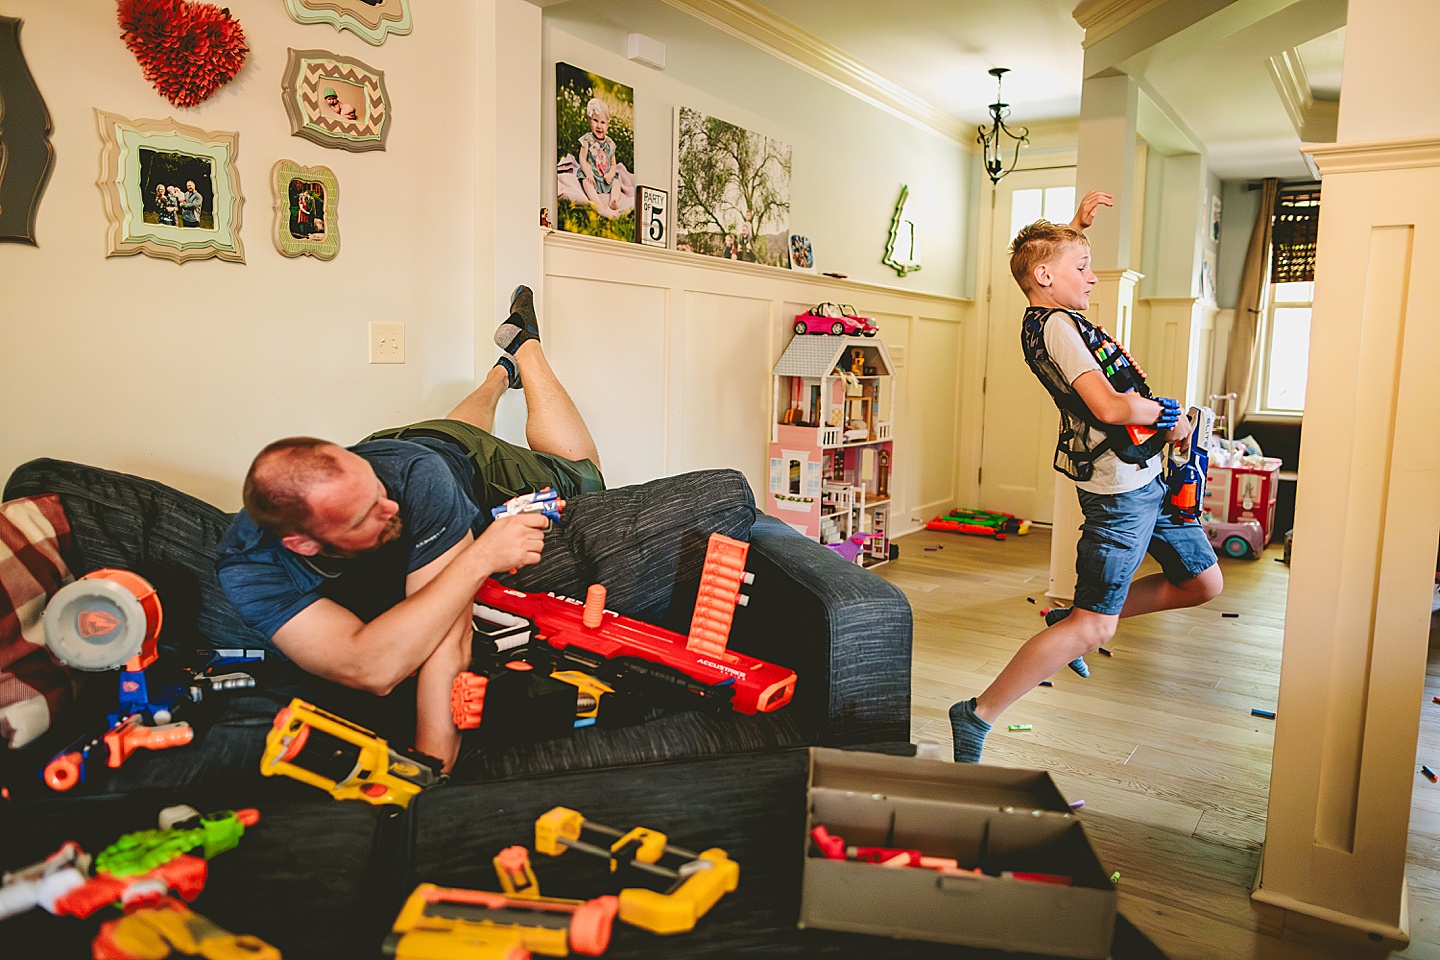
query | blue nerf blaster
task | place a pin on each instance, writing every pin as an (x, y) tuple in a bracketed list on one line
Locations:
[(1187, 474), (546, 502)]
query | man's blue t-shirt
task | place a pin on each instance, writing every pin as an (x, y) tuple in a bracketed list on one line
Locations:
[(432, 483)]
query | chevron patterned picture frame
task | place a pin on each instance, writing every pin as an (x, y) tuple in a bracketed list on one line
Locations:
[(336, 101)]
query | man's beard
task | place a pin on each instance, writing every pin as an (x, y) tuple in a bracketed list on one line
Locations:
[(391, 532)]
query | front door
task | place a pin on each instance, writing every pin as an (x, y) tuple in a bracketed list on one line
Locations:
[(1018, 444)]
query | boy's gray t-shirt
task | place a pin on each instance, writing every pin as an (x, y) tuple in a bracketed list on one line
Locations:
[(1112, 475)]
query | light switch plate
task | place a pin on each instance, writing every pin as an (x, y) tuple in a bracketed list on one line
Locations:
[(387, 342)]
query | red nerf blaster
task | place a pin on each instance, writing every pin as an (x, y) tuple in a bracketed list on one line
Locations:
[(751, 685)]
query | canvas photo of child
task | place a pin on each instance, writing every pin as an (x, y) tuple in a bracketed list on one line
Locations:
[(595, 154)]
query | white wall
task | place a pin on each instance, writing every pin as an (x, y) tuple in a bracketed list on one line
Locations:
[(849, 158), (181, 372)]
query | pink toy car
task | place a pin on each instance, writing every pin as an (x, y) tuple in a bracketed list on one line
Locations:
[(836, 318), (1242, 540)]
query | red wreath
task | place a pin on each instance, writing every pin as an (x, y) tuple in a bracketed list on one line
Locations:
[(187, 50)]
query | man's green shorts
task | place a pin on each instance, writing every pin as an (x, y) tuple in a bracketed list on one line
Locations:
[(503, 470)]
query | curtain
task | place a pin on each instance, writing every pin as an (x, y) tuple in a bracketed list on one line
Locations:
[(1240, 360)]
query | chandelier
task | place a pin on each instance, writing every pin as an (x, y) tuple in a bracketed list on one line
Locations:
[(993, 146)]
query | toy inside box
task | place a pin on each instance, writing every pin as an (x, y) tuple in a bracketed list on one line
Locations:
[(1040, 888)]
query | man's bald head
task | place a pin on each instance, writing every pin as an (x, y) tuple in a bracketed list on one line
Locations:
[(280, 480)]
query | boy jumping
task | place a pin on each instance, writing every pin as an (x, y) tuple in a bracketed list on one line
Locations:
[(1118, 480)]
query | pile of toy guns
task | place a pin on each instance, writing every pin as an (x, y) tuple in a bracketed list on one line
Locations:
[(142, 874), (546, 664), (833, 847), (980, 523), (439, 921)]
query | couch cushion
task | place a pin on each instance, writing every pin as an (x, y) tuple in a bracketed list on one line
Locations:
[(33, 688), (165, 536), (645, 542)]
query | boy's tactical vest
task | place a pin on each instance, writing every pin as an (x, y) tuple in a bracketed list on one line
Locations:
[(1075, 451)]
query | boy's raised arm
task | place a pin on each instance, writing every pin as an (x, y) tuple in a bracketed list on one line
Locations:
[(1089, 205)]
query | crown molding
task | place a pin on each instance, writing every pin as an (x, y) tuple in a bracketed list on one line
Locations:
[(1373, 155), (1314, 120), (1101, 18), (782, 39)]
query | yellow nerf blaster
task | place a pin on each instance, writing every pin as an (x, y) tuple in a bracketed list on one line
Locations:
[(698, 879), (352, 763), (435, 915)]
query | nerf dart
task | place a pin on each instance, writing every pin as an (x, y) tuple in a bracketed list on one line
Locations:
[(546, 502), (698, 880), (344, 758), (544, 925), (166, 927)]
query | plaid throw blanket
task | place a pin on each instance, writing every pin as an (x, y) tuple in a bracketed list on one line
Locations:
[(33, 688)]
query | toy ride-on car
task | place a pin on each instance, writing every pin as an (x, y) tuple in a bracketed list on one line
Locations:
[(1242, 540), (835, 318)]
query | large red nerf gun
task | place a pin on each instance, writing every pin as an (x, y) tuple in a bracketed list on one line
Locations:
[(588, 634)]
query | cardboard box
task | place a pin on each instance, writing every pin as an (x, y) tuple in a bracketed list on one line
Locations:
[(997, 818)]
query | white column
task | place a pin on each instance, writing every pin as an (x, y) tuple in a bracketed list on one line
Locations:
[(1367, 512), (1104, 160)]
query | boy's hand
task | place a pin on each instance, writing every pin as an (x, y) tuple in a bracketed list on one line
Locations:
[(1169, 414), (1089, 206), (1180, 432)]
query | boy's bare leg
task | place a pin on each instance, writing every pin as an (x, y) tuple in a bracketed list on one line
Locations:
[(478, 409), (1078, 634), (552, 424), (1154, 593)]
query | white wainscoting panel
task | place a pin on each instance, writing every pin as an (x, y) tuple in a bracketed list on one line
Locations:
[(669, 356)]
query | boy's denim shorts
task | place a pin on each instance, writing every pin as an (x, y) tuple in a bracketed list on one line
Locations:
[(1119, 529)]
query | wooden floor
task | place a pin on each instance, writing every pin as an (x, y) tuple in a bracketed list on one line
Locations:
[(1159, 742)]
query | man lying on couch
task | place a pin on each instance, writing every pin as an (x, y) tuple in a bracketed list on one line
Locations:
[(359, 564)]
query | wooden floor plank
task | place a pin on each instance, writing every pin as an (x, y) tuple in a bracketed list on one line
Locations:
[(1159, 743)]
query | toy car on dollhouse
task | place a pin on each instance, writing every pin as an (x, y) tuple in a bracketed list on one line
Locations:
[(839, 319)]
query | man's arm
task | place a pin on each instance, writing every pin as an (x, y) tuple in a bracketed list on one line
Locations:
[(331, 642)]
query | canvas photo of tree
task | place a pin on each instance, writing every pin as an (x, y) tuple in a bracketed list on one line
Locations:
[(732, 191), (595, 155)]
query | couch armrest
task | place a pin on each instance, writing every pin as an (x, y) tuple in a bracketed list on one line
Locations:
[(843, 630)]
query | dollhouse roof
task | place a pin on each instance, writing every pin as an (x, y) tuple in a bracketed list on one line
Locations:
[(815, 355)]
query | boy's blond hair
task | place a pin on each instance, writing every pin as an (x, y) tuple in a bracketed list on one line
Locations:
[(1039, 243)]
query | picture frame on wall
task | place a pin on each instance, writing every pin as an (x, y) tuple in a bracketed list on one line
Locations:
[(652, 226), (732, 190), (370, 20), (594, 155), (170, 190), (307, 210), (26, 154), (802, 255), (336, 101), (1215, 218)]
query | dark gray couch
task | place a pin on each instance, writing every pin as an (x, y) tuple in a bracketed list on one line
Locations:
[(323, 873)]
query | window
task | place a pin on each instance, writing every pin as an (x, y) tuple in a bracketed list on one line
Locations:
[(1284, 333), (1285, 348), (1056, 204)]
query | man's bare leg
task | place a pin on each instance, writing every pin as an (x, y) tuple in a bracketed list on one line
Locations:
[(552, 424), (478, 409)]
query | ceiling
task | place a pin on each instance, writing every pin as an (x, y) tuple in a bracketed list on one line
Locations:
[(1217, 91)]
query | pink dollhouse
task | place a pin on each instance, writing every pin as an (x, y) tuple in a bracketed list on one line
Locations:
[(830, 445)]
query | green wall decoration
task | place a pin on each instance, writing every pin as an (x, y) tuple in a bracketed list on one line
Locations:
[(902, 249)]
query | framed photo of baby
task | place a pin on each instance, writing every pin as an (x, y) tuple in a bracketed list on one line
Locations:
[(595, 155)]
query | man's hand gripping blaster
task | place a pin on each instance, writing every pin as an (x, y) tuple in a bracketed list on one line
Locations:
[(698, 879), (588, 634), (349, 761)]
